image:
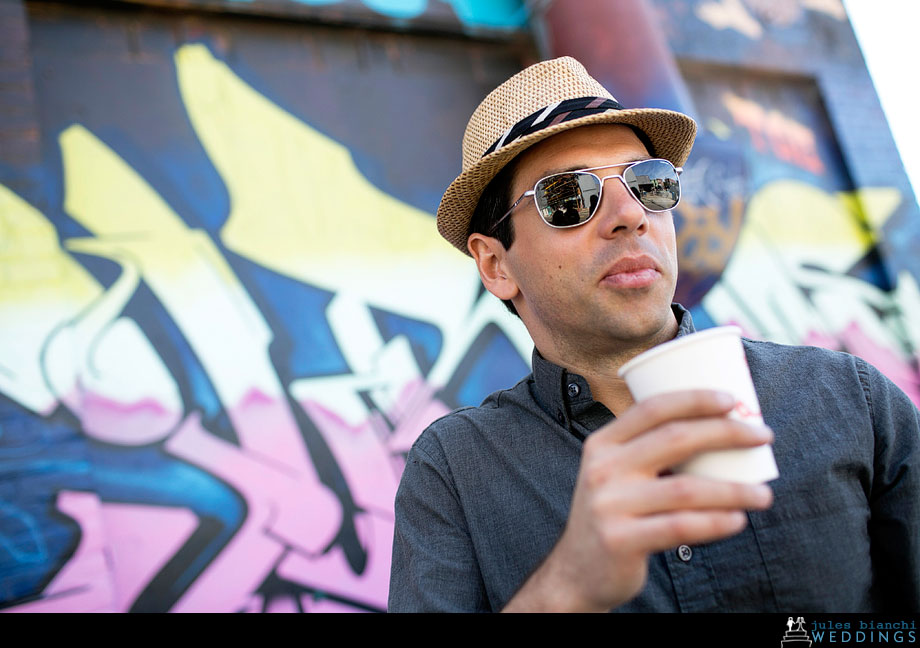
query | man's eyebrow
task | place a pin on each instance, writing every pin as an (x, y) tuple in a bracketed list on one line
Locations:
[(581, 167)]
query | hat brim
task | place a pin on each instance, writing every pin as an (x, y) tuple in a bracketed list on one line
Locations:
[(671, 134)]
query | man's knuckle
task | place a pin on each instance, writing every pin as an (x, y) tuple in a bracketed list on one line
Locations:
[(737, 492), (612, 537), (683, 491), (678, 435), (724, 432), (597, 508), (720, 524), (682, 526), (595, 475), (590, 444), (650, 409)]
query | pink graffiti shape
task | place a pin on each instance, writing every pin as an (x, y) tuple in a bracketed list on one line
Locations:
[(416, 408), (143, 421), (362, 456), (815, 338), (327, 606), (751, 335), (142, 539), (283, 605), (897, 369), (267, 427), (285, 509), (331, 573)]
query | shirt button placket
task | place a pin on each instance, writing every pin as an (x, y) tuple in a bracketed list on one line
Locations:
[(693, 579)]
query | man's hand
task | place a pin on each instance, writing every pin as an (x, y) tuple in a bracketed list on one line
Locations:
[(626, 505)]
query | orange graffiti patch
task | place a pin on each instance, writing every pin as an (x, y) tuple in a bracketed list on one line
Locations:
[(772, 131)]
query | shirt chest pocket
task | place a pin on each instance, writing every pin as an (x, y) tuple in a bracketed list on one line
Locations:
[(815, 549)]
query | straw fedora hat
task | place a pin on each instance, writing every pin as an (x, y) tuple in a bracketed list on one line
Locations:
[(538, 102)]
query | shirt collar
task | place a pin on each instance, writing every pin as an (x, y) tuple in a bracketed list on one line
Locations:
[(566, 396)]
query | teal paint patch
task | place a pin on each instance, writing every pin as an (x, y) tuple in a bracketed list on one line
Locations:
[(497, 14), (492, 14), (398, 8)]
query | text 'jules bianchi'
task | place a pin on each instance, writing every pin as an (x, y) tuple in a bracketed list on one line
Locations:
[(863, 632)]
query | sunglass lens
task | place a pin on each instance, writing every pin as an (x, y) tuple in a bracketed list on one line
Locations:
[(567, 199), (654, 183)]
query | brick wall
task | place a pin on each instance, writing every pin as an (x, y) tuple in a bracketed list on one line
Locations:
[(19, 134)]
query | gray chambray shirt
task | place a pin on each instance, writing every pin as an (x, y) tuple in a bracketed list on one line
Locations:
[(486, 493)]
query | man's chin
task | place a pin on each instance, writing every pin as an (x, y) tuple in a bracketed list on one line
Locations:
[(649, 330)]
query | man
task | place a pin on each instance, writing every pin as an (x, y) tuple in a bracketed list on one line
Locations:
[(557, 494)]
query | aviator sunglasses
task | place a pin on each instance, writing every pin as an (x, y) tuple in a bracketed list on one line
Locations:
[(571, 198)]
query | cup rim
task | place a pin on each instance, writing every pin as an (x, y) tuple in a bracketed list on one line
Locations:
[(692, 338)]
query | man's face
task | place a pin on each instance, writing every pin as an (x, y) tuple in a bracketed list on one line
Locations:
[(607, 282)]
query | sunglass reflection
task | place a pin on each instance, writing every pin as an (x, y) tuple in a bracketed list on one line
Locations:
[(571, 198)]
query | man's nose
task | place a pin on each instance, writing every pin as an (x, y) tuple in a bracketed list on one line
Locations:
[(619, 212)]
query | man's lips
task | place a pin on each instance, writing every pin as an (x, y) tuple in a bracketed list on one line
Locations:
[(632, 272)]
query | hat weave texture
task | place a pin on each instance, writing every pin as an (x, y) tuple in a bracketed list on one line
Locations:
[(529, 94)]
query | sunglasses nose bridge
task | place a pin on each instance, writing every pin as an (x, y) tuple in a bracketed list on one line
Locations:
[(614, 175), (625, 186)]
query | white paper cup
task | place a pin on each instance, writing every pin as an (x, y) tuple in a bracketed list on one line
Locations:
[(711, 359)]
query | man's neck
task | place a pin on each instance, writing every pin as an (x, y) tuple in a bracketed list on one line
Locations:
[(599, 367)]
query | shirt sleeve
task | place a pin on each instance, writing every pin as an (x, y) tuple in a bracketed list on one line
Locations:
[(434, 566), (894, 526)]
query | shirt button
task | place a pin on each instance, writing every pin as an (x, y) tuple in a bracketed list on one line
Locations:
[(685, 553), (574, 390)]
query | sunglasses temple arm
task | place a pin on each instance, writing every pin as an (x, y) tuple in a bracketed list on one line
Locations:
[(510, 209)]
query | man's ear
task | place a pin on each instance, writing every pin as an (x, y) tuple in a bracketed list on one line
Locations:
[(492, 261)]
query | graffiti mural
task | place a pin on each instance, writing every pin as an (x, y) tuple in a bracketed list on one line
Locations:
[(748, 17), (214, 416), (498, 16), (227, 315), (774, 238)]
